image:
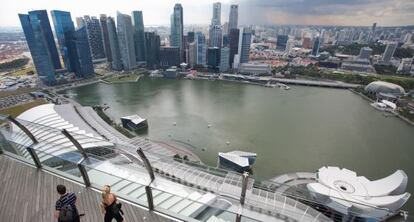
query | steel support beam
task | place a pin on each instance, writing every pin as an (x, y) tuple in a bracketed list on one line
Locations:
[(23, 128), (34, 156), (76, 143), (84, 173), (150, 198), (146, 163), (245, 180)]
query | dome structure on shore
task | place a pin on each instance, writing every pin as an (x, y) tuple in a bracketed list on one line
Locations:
[(384, 87)]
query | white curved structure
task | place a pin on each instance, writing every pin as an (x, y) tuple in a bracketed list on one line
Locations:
[(344, 191), (384, 87)]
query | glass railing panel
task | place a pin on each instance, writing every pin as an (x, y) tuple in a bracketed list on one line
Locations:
[(191, 204), (14, 149)]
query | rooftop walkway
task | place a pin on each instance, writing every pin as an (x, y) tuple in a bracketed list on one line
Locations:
[(28, 194)]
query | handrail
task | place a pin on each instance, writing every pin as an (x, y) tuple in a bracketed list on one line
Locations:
[(144, 159)]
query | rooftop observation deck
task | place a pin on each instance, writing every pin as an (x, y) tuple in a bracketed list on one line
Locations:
[(29, 194)]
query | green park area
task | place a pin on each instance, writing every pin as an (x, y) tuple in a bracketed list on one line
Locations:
[(16, 92), (122, 78), (348, 77)]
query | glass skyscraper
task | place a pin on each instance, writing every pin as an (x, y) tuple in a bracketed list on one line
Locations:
[(105, 35), (126, 40), (152, 46), (139, 37), (78, 48), (39, 38), (244, 45), (177, 28), (63, 23), (116, 63), (233, 17), (94, 31)]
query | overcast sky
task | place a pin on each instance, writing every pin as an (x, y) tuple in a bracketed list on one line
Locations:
[(157, 12)]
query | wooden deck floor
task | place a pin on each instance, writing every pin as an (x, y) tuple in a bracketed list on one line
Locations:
[(28, 194)]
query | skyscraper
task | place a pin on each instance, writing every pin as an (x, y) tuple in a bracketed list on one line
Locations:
[(139, 36), (224, 59), (114, 44), (126, 40), (213, 57), (190, 37), (169, 56), (307, 43), (316, 45), (245, 38), (104, 26), (281, 41), (177, 28), (201, 49), (216, 36), (152, 46), (93, 28), (80, 55), (216, 20), (192, 53), (39, 38), (389, 52), (63, 23), (234, 16), (234, 44)]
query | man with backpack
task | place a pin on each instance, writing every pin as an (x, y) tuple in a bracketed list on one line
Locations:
[(66, 210)]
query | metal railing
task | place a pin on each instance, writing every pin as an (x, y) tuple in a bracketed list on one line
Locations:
[(89, 162)]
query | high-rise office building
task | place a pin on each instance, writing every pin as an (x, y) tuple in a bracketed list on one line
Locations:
[(80, 22), (365, 53), (374, 27), (281, 41), (216, 20), (93, 28), (192, 53), (234, 16), (177, 28), (216, 36), (190, 37), (316, 45), (389, 51), (234, 44), (104, 26), (405, 66), (245, 39), (224, 59), (80, 55), (213, 57), (169, 56), (116, 63), (39, 38), (226, 28), (63, 23), (125, 32), (152, 46), (201, 49), (139, 36)]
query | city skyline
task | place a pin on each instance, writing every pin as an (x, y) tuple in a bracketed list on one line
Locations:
[(261, 12)]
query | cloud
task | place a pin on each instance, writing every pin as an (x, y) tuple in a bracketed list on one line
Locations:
[(330, 12)]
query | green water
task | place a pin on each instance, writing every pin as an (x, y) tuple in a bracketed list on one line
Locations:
[(300, 129)]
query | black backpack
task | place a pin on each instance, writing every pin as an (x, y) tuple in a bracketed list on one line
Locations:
[(67, 214)]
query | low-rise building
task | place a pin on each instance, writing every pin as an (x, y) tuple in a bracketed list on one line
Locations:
[(255, 68)]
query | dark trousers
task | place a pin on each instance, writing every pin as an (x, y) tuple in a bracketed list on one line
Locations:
[(109, 217)]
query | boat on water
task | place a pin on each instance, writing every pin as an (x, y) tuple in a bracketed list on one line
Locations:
[(134, 122), (239, 161), (384, 105), (268, 84), (283, 86)]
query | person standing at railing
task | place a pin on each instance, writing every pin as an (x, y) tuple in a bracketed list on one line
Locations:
[(110, 207), (65, 208)]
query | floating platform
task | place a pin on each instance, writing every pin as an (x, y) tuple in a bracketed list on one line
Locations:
[(238, 161), (134, 122)]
